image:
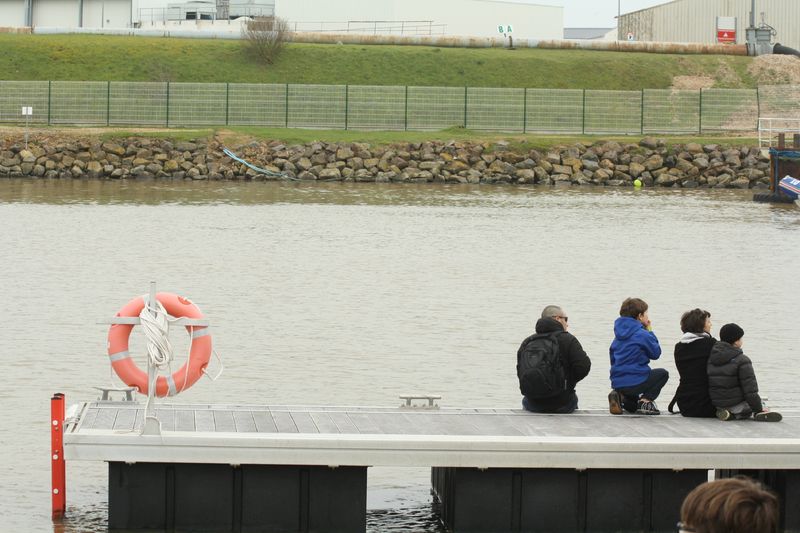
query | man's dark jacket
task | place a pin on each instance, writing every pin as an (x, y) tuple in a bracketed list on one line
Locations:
[(691, 358), (576, 363), (731, 378)]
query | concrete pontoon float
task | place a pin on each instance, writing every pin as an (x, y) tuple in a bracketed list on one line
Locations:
[(278, 468), (269, 468)]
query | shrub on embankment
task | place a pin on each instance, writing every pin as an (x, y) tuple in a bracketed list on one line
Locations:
[(604, 163)]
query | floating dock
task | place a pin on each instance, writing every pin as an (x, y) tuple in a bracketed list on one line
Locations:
[(278, 468)]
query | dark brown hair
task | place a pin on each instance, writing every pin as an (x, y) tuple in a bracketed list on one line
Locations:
[(632, 307), (735, 505), (694, 321)]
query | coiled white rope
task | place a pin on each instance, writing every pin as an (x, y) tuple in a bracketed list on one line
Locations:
[(155, 325)]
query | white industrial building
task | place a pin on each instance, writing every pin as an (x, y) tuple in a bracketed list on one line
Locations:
[(712, 21), (66, 13), (478, 18), (121, 13)]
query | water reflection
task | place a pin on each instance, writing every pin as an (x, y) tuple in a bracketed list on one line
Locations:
[(382, 289), (150, 192)]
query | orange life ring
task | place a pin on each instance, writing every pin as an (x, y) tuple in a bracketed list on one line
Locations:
[(181, 379)]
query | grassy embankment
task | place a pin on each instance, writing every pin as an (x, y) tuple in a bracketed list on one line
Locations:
[(95, 57), (85, 57)]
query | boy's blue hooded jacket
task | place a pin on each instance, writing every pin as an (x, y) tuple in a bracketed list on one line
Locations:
[(631, 351)]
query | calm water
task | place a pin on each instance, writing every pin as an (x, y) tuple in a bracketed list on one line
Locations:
[(352, 295)]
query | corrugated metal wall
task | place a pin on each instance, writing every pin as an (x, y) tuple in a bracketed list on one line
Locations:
[(106, 13), (696, 20), (65, 13), (55, 13), (12, 13)]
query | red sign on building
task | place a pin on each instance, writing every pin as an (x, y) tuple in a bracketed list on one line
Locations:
[(726, 36)]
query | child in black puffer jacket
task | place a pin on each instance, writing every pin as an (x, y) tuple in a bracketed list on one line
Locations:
[(732, 382)]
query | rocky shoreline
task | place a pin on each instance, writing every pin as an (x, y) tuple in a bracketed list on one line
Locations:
[(604, 163)]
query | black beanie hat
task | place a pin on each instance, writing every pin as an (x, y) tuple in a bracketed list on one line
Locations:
[(730, 333)]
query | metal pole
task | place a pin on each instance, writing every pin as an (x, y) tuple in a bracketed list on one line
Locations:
[(758, 103), (59, 477), (108, 103), (151, 424), (49, 99), (227, 101), (583, 117), (346, 105), (406, 112), (700, 116), (641, 110), (524, 110), (168, 104), (465, 107), (287, 105)]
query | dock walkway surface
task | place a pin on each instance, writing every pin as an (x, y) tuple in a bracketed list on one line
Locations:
[(482, 438)]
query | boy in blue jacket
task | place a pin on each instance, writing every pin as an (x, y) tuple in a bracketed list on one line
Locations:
[(635, 385)]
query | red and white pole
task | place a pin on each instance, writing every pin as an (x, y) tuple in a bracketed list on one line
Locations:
[(59, 480)]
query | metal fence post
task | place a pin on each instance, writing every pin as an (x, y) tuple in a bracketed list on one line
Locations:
[(700, 114), (286, 97), (108, 104), (758, 105), (465, 107), (641, 127), (49, 100), (406, 112), (346, 105), (524, 110), (227, 101), (583, 118), (168, 104)]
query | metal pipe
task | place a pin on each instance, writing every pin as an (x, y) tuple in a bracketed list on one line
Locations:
[(425, 40), (490, 42), (753, 14)]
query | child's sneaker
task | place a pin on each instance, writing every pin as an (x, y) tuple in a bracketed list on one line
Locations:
[(646, 407), (724, 414), (768, 416), (614, 403)]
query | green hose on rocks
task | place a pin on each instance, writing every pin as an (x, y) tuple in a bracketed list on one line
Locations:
[(281, 175)]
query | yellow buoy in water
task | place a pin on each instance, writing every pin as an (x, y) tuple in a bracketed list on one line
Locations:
[(637, 183)]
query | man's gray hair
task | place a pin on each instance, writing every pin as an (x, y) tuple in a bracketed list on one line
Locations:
[(552, 310)]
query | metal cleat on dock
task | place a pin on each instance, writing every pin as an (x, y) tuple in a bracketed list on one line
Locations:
[(409, 398), (106, 393)]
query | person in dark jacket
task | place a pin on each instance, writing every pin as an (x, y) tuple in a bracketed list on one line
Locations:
[(732, 382), (691, 359), (574, 359), (634, 384)]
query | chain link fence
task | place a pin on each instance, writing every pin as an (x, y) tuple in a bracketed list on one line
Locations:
[(560, 111)]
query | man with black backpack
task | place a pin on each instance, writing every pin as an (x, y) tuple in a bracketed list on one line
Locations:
[(549, 365)]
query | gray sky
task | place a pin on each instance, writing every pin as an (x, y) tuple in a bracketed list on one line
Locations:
[(597, 13)]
